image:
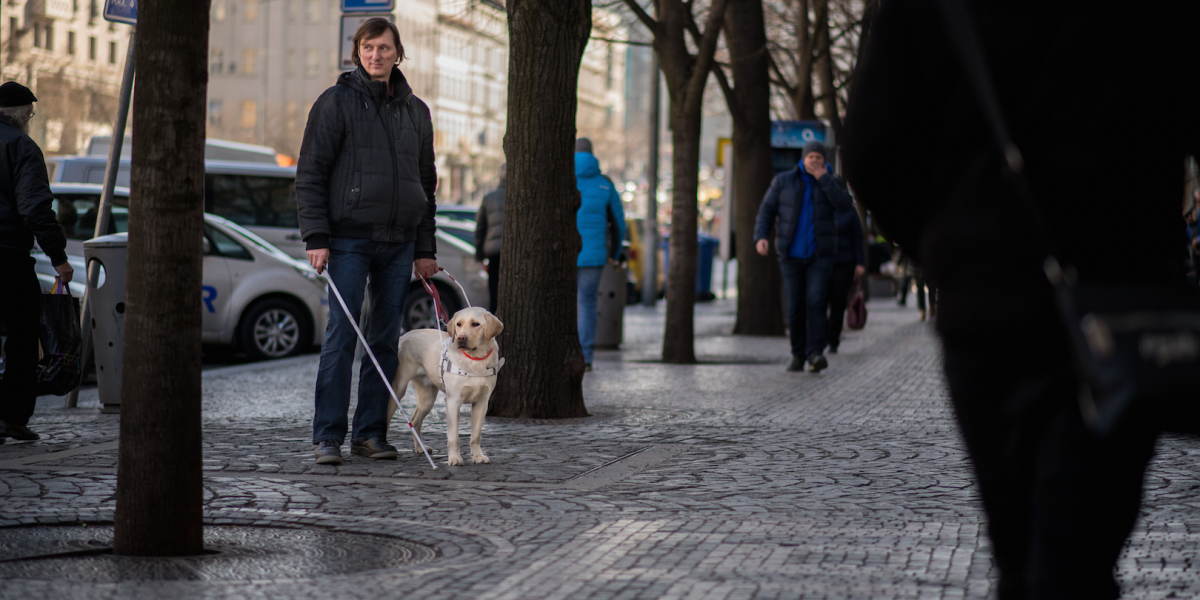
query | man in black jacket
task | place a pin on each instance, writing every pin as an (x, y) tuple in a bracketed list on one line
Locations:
[(1060, 502), (805, 201), (25, 214), (489, 229), (365, 186)]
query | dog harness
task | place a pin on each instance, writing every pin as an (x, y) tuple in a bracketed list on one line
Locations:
[(448, 367)]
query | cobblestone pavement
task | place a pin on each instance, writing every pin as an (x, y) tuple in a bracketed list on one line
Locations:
[(728, 479)]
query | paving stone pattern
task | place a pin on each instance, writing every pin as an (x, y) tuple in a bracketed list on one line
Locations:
[(727, 479)]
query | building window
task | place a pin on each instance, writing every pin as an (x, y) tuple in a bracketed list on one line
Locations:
[(112, 53), (49, 38), (312, 62), (250, 11), (71, 43), (216, 61), (291, 63), (249, 61), (37, 36), (92, 47), (219, 11), (249, 114), (214, 113)]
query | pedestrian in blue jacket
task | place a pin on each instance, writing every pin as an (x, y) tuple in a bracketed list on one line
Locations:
[(803, 203), (600, 204)]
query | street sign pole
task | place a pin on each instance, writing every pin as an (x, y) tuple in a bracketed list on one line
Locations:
[(124, 11)]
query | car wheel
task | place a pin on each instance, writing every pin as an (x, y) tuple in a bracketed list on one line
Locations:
[(419, 312), (275, 328)]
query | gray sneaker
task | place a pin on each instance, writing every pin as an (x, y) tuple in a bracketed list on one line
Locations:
[(373, 448), (328, 452)]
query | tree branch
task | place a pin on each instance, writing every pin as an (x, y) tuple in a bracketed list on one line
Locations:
[(643, 16)]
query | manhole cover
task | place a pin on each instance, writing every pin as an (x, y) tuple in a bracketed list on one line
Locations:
[(237, 554)]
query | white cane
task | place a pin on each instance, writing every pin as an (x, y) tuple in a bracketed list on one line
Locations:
[(378, 368)]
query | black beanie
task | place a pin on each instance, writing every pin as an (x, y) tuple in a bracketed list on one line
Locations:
[(815, 146)]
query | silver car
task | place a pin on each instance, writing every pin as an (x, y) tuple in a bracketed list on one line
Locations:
[(262, 199)]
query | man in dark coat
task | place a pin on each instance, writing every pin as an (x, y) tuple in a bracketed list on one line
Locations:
[(1060, 502), (849, 265), (365, 185), (25, 215), (805, 202), (489, 228)]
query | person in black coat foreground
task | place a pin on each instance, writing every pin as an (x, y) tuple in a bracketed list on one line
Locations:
[(1060, 502)]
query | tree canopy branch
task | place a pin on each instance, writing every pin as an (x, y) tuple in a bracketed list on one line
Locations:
[(643, 16)]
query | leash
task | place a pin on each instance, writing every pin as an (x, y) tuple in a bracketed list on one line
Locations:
[(379, 369)]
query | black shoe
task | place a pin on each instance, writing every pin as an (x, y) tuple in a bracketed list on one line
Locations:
[(816, 362), (832, 349), (21, 433), (328, 452), (796, 365), (373, 448)]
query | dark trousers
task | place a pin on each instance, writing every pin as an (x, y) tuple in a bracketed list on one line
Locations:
[(493, 270), (839, 294), (806, 285), (1060, 503), (21, 313), (921, 287)]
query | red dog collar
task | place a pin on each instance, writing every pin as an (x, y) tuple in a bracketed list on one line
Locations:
[(473, 358)]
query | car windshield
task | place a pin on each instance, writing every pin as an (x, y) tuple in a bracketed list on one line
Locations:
[(262, 244)]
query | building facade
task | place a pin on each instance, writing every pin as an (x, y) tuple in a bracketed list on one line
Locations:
[(72, 59)]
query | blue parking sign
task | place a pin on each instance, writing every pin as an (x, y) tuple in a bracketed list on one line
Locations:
[(121, 11), (368, 5)]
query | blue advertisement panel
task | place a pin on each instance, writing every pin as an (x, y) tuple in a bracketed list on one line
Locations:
[(795, 134), (121, 11), (368, 5)]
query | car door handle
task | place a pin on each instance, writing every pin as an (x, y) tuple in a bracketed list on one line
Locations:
[(295, 237)]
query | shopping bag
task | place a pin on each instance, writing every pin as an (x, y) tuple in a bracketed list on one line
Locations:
[(60, 343), (856, 309)]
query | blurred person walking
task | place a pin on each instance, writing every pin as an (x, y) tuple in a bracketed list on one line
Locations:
[(600, 205), (849, 266), (489, 229), (26, 214), (1060, 501), (365, 184), (802, 204)]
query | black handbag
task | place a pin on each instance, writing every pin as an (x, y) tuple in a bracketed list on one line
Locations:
[(1136, 346), (60, 343)]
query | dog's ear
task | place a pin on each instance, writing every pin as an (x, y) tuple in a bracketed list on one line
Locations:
[(450, 329), (492, 326)]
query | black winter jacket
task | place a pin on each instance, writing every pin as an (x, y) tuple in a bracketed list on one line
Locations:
[(784, 199), (366, 165), (489, 223), (25, 201)]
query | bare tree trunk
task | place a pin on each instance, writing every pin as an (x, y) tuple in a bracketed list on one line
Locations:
[(543, 375), (759, 308), (686, 74), (824, 67), (159, 489), (802, 97)]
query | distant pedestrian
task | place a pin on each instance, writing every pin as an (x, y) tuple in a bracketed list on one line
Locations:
[(925, 292), (365, 185), (489, 229), (26, 214), (600, 206), (802, 204), (849, 265)]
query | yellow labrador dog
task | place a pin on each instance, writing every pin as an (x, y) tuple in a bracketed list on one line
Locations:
[(463, 363)]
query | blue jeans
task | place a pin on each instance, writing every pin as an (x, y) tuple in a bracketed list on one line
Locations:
[(588, 281), (389, 267), (806, 283)]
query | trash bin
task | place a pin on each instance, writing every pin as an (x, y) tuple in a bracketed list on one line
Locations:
[(705, 250), (107, 299), (610, 307)]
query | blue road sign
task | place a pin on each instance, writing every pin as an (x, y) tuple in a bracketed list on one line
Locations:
[(368, 5), (121, 11)]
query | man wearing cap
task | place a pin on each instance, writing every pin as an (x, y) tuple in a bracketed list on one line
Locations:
[(25, 215), (803, 204)]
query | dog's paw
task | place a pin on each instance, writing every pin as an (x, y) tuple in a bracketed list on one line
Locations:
[(480, 459), (455, 461)]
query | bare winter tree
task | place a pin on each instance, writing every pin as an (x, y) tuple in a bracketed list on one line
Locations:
[(543, 376), (759, 311), (159, 489), (685, 67)]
